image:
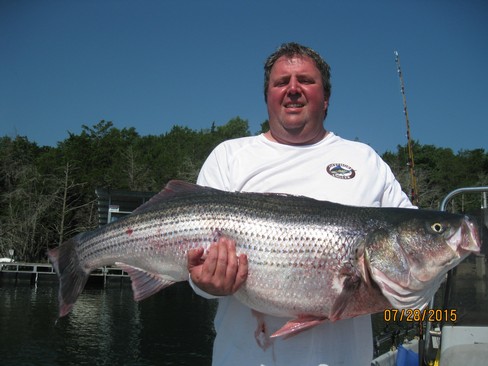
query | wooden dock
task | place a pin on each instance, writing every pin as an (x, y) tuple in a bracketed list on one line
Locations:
[(44, 272)]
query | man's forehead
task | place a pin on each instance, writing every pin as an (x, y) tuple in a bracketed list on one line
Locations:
[(287, 63)]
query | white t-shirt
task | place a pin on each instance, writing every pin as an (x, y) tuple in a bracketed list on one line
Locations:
[(333, 169)]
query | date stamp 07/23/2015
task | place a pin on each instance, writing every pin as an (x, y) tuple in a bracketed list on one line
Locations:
[(420, 315)]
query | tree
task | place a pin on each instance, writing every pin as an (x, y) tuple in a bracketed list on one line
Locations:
[(236, 127), (439, 171), (264, 127), (25, 201), (138, 174), (71, 206)]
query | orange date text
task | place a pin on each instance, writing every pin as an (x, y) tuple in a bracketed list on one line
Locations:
[(420, 315)]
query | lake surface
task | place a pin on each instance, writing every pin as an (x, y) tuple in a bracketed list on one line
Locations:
[(173, 327), (106, 327)]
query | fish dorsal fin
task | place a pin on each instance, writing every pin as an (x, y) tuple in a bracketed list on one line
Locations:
[(172, 188), (144, 284), (179, 186)]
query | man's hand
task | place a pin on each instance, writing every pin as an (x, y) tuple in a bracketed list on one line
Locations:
[(222, 272)]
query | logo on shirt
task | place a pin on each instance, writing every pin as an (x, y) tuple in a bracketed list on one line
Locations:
[(341, 171)]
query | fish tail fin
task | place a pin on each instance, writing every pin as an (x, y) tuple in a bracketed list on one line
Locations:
[(72, 276)]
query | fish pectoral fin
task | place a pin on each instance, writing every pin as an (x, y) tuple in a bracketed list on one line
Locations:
[(350, 288), (144, 283), (295, 326)]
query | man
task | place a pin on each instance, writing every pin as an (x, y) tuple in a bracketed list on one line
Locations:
[(297, 156)]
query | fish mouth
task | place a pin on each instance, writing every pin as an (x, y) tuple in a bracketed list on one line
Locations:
[(471, 239)]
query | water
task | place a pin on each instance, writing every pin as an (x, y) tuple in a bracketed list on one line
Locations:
[(173, 327), (106, 327)]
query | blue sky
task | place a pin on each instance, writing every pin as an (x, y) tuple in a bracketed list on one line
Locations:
[(153, 64)]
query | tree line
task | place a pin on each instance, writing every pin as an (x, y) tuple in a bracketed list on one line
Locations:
[(47, 194)]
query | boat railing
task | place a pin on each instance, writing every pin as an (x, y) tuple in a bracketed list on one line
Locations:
[(432, 336)]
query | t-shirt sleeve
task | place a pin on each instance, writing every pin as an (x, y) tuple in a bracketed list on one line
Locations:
[(215, 172)]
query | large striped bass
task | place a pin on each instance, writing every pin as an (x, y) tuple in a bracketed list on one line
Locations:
[(309, 260)]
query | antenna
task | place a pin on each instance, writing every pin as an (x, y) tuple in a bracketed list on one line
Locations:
[(411, 165)]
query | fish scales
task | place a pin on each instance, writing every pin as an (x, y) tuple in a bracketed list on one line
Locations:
[(307, 258), (205, 217)]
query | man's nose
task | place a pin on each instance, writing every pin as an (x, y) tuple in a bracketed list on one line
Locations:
[(294, 87)]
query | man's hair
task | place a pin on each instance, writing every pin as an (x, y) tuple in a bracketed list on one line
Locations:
[(294, 49)]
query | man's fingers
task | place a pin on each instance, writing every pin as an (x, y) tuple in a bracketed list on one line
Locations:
[(210, 263), (241, 274), (195, 257), (232, 261), (222, 257), (219, 270)]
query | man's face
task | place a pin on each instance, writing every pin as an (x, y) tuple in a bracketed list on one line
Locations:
[(296, 101)]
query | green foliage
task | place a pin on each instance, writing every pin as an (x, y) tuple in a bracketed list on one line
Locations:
[(264, 127), (48, 194), (439, 171), (26, 199)]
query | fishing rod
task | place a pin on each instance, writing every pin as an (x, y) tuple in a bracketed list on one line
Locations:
[(411, 165)]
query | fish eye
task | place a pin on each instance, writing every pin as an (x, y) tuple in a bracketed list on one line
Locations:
[(437, 227)]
